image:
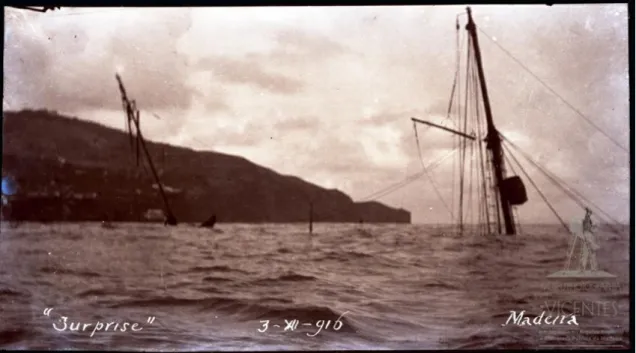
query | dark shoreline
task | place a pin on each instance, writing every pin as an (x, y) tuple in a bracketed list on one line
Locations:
[(75, 170)]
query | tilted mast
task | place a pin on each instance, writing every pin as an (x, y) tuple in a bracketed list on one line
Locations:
[(493, 141), (508, 191), (133, 116)]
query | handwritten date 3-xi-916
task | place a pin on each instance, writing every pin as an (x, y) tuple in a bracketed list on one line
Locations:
[(292, 325)]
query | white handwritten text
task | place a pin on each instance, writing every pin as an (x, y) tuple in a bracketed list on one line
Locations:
[(291, 325), (64, 324)]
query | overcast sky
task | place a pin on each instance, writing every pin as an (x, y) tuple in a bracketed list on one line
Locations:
[(326, 93)]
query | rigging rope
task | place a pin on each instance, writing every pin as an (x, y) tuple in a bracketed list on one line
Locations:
[(458, 46), (553, 91), (407, 180), (462, 142), (458, 140), (471, 177), (419, 150), (457, 64), (482, 160), (575, 195), (537, 188), (470, 92)]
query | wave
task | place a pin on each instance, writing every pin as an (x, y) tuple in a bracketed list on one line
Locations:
[(63, 271), (351, 255), (441, 285), (10, 293), (483, 341), (550, 260), (269, 308), (74, 237), (157, 302), (216, 268), (13, 336), (216, 279), (214, 230), (33, 251), (287, 277), (91, 292), (304, 314), (509, 300), (365, 233), (356, 233), (403, 296), (294, 277)]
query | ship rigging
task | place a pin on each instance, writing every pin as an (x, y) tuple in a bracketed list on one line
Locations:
[(137, 141), (486, 185)]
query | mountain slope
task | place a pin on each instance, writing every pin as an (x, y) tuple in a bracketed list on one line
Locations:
[(72, 169)]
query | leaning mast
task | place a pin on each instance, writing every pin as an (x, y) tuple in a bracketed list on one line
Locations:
[(509, 191), (133, 116), (493, 141)]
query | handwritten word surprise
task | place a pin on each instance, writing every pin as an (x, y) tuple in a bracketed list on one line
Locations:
[(64, 324)]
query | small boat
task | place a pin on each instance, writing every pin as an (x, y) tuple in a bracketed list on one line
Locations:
[(107, 225)]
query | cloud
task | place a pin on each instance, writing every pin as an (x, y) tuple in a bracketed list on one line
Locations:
[(249, 72), (305, 124), (327, 93), (296, 41), (70, 66)]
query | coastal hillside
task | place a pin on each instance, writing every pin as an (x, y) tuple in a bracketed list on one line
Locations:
[(74, 170)]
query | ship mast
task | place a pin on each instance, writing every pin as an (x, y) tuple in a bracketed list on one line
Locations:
[(133, 116), (493, 141)]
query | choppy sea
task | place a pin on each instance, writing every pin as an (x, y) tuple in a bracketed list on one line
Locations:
[(275, 287)]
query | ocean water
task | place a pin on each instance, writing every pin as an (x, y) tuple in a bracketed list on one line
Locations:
[(366, 287)]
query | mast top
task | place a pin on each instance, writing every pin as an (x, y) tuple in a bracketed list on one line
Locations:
[(470, 23)]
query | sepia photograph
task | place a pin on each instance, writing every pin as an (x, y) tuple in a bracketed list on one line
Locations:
[(304, 178)]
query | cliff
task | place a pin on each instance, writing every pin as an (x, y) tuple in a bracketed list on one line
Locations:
[(75, 170)]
